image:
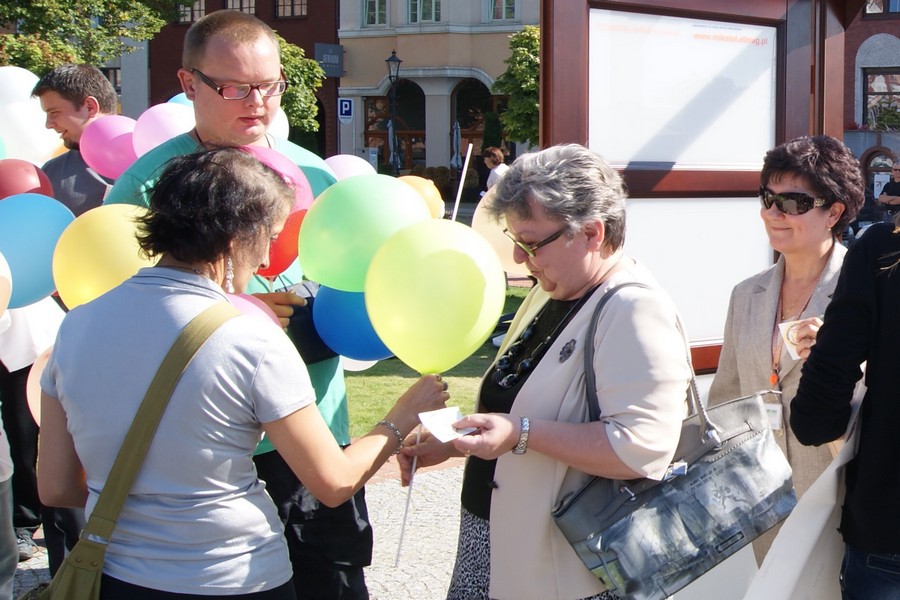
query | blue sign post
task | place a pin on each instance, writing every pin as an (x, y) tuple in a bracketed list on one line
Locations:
[(345, 110)]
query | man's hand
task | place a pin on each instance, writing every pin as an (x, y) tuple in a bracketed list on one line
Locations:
[(282, 304)]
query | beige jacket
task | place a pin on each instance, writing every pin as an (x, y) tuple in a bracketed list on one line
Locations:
[(746, 360), (642, 378)]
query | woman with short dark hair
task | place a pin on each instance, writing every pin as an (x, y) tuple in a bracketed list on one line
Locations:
[(810, 189), (197, 521)]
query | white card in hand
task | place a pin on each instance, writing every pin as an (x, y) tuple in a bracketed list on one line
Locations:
[(789, 338), (440, 423)]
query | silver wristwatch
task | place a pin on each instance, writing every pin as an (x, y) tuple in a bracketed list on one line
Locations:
[(524, 428)]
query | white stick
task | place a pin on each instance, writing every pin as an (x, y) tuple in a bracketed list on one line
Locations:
[(412, 475), (462, 180)]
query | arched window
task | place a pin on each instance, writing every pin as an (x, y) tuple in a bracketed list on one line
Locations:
[(410, 124), (477, 111)]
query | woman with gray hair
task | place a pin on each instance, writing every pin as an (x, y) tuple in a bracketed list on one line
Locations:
[(565, 213)]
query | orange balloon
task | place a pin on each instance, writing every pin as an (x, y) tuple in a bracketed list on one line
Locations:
[(33, 384), (429, 192)]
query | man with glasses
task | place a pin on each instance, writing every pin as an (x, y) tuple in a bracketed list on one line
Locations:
[(231, 70), (890, 195)]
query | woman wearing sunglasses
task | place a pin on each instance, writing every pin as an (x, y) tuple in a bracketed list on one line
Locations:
[(811, 189)]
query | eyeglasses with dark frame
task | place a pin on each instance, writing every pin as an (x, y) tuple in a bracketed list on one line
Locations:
[(531, 249), (241, 91), (790, 203)]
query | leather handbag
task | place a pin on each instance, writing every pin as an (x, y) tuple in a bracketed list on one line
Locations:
[(727, 484), (78, 577)]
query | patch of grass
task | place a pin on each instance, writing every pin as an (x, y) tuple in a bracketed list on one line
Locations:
[(372, 392)]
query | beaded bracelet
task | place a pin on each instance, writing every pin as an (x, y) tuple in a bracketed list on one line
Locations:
[(396, 433)]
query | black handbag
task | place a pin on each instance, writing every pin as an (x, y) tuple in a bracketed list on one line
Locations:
[(728, 483)]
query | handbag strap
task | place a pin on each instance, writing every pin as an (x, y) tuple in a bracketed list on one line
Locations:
[(707, 431), (131, 455)]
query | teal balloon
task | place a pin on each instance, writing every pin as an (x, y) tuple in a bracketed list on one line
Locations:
[(2, 149), (349, 222), (317, 171), (181, 99), (30, 227)]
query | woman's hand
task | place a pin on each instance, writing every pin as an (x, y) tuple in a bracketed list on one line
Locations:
[(282, 304), (429, 451), (497, 434), (803, 335), (427, 394)]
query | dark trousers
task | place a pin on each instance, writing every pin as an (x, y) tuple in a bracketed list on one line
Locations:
[(114, 589), (328, 546), (62, 526), (869, 576), (22, 432), (9, 556)]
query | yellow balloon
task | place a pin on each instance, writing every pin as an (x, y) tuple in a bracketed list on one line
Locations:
[(429, 193), (97, 252), (492, 231), (434, 292)]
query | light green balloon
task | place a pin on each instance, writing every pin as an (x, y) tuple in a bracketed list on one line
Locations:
[(434, 293), (349, 222)]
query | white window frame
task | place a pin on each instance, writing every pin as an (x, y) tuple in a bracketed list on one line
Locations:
[(417, 12), (379, 11), (509, 12)]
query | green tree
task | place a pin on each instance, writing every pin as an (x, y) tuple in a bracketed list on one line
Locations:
[(520, 83), (304, 76), (51, 32)]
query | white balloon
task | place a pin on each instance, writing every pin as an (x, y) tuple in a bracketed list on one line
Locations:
[(351, 364), (492, 231), (24, 134), (279, 125), (16, 84), (5, 284), (159, 123)]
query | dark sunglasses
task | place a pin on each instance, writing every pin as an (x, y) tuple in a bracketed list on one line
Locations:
[(790, 203)]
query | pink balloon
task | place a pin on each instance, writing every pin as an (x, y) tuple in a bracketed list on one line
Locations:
[(106, 145), (303, 194), (348, 165), (159, 123), (253, 307)]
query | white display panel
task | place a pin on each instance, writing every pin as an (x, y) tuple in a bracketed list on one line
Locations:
[(677, 93)]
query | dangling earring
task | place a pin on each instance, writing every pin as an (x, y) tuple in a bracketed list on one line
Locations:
[(229, 275)]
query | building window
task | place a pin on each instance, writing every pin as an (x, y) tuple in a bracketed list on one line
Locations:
[(376, 12), (290, 8), (421, 11), (247, 6), (878, 7), (504, 10), (190, 13), (882, 98)]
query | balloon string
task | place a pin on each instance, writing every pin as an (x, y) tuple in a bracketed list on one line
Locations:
[(462, 181), (412, 475)]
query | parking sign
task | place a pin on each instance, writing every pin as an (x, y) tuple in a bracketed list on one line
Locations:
[(345, 110)]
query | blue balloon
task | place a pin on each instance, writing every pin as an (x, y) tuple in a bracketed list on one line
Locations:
[(181, 99), (343, 324), (30, 226)]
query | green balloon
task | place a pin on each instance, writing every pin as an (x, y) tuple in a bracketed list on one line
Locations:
[(434, 293), (349, 222)]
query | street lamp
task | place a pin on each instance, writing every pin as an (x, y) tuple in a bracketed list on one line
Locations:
[(393, 67)]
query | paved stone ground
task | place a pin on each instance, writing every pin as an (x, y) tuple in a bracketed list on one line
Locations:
[(429, 543)]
